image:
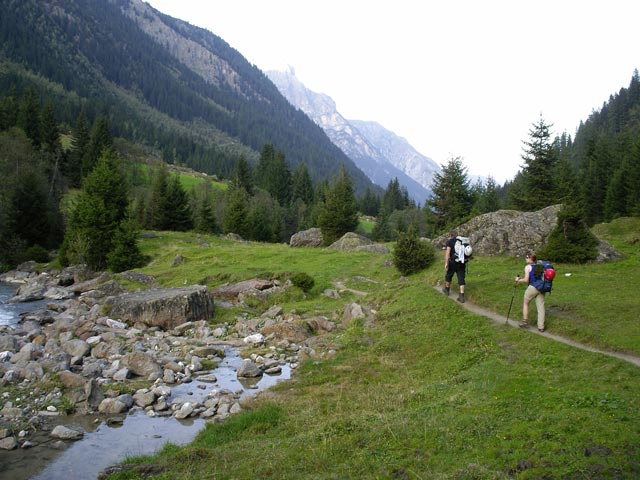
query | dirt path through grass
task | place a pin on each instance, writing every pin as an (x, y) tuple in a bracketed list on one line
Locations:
[(497, 318)]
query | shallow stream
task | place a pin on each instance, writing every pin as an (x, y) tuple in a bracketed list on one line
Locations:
[(105, 444)]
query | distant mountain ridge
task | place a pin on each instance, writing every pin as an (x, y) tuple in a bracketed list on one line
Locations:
[(161, 82), (378, 152)]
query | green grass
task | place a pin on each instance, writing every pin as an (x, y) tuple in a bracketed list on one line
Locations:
[(428, 390)]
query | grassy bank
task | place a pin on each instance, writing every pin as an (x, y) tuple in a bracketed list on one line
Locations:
[(427, 390)]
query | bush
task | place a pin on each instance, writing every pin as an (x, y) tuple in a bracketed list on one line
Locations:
[(571, 241), (411, 254), (37, 254), (303, 281)]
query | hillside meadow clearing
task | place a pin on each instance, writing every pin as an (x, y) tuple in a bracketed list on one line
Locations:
[(426, 389)]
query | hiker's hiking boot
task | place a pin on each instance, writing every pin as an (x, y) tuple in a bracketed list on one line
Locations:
[(445, 290), (523, 324), (461, 298)]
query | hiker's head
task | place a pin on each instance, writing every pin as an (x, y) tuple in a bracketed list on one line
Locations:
[(453, 234), (531, 256)]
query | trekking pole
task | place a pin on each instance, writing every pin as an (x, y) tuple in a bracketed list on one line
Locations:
[(515, 284)]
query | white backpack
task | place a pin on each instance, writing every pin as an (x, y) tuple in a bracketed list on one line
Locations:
[(462, 250)]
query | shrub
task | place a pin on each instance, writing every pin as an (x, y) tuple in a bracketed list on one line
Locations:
[(37, 254), (303, 281), (411, 254), (570, 241)]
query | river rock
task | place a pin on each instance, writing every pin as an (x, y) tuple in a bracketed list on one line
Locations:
[(110, 406), (71, 380), (144, 398), (249, 369), (164, 308), (141, 364), (76, 348), (28, 352), (65, 433), (8, 343), (185, 410), (8, 443)]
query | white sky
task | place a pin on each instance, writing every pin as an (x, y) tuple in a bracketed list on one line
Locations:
[(464, 78)]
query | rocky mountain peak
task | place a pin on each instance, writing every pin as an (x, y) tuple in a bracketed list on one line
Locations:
[(378, 152)]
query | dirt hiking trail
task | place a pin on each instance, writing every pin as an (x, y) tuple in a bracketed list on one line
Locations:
[(501, 319)]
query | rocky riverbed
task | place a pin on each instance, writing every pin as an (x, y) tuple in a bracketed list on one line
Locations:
[(97, 351)]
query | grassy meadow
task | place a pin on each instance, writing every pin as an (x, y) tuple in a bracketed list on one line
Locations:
[(426, 390)]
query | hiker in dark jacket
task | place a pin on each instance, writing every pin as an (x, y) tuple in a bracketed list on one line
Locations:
[(530, 293), (452, 267)]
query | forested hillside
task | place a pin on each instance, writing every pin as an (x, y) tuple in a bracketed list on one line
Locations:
[(598, 171), (102, 56)]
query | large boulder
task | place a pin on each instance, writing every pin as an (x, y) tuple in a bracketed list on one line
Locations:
[(507, 232), (142, 364), (307, 238), (350, 241), (164, 308)]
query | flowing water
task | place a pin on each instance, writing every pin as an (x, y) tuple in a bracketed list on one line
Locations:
[(106, 444)]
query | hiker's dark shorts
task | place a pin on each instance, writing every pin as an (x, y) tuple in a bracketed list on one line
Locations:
[(458, 269)]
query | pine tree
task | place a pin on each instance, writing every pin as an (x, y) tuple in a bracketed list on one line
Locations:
[(95, 219), (339, 213), (243, 175), (156, 211), (236, 212), (540, 158), (177, 216), (101, 139), (302, 184), (451, 201), (125, 253), (79, 147), (29, 117)]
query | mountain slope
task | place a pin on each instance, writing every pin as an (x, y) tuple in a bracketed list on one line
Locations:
[(379, 153), (161, 81)]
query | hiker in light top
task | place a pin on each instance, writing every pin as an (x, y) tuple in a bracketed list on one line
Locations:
[(452, 267), (530, 293)]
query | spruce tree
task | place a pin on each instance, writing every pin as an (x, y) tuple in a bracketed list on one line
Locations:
[(540, 159), (339, 213), (236, 212), (178, 216), (243, 175), (29, 117), (96, 217), (452, 200), (302, 184), (79, 147)]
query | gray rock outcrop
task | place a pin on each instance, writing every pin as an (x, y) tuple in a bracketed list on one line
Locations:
[(307, 238), (350, 241), (164, 308), (507, 232)]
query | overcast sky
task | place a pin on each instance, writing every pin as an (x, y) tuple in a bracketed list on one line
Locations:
[(462, 78)]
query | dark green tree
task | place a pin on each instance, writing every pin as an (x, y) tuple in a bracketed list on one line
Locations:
[(79, 148), (302, 184), (243, 175), (101, 139), (95, 219), (452, 200), (125, 253), (29, 117), (339, 213), (157, 206), (370, 203), (488, 199), (412, 255), (540, 159), (178, 216), (235, 218), (570, 241)]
